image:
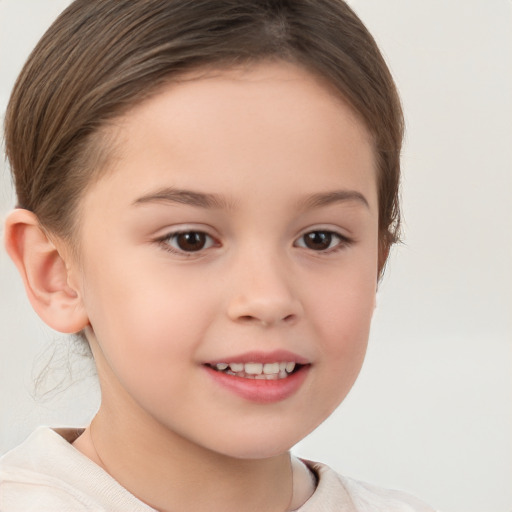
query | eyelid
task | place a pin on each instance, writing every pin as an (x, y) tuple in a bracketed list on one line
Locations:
[(171, 233), (343, 240)]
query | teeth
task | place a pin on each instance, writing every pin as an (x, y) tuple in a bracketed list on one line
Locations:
[(271, 368), (268, 371), (253, 368), (290, 367)]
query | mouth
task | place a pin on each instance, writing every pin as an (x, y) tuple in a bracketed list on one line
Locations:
[(261, 377), (260, 371)]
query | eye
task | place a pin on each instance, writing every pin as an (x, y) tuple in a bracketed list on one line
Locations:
[(321, 240), (188, 241)]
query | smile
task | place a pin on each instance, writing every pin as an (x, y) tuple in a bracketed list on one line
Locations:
[(260, 371)]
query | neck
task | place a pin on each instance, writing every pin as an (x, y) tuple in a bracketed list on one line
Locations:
[(171, 473)]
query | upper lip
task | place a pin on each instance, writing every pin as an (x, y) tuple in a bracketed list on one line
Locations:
[(262, 357)]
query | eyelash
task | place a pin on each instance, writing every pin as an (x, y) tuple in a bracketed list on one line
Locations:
[(166, 241), (342, 241)]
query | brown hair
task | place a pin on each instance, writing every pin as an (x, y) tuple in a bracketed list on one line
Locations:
[(102, 57)]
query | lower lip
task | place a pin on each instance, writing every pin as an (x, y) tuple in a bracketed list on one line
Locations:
[(259, 390)]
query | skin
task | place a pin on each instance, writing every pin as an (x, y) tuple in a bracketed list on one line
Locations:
[(265, 140)]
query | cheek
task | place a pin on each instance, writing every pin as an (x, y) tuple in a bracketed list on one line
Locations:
[(143, 315), (344, 301), (343, 339), (342, 318), (344, 327)]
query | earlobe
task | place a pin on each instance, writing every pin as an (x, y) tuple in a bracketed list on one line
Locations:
[(44, 272)]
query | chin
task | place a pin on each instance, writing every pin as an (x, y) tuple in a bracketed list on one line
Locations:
[(260, 444)]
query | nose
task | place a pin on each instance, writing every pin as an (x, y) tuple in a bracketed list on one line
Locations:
[(263, 293)]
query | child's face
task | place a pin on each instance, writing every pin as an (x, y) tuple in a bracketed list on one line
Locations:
[(238, 225)]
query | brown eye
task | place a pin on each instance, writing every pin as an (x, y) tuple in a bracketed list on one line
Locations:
[(320, 240), (189, 241)]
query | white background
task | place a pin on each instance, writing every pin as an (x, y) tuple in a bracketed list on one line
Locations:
[(431, 412)]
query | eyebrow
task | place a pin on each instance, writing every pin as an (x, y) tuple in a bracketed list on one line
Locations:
[(188, 197), (335, 196), (214, 201)]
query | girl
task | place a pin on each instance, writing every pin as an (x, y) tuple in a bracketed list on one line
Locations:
[(207, 192)]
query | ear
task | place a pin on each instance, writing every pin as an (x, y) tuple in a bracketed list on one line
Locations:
[(45, 273)]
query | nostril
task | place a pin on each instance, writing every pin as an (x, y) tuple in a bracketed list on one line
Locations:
[(265, 321)]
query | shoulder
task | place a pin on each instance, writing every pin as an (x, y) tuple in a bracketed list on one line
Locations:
[(47, 474), (336, 492), (27, 484), (25, 492)]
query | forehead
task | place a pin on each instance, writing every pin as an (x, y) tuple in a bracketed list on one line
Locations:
[(268, 122), (247, 91)]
